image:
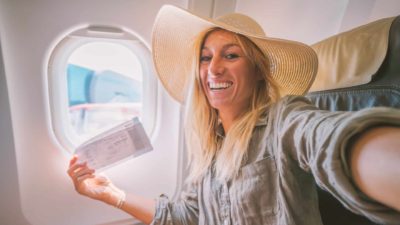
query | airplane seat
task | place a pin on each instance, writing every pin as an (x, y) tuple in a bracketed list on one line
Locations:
[(382, 89)]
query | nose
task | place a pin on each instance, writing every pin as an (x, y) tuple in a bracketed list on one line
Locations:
[(216, 66)]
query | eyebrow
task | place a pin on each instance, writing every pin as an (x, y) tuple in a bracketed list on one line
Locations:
[(225, 46)]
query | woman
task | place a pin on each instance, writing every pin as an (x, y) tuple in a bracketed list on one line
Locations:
[(256, 149)]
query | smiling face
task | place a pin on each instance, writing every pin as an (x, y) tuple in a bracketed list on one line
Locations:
[(227, 76)]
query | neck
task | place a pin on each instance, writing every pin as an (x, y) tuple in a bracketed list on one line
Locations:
[(227, 119)]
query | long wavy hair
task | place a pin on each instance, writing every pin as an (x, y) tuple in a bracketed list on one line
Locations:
[(207, 149)]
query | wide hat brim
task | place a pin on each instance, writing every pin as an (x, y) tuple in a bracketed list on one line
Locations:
[(293, 64)]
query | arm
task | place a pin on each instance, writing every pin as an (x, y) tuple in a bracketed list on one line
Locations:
[(374, 161), (149, 211), (140, 207), (100, 188), (320, 142)]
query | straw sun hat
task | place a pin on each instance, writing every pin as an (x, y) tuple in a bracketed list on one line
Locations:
[(293, 64)]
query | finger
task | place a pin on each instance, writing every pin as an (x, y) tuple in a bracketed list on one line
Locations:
[(83, 171), (84, 177), (73, 160), (73, 163), (80, 184), (75, 167)]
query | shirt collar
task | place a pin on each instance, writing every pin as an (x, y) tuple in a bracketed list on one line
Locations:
[(262, 121)]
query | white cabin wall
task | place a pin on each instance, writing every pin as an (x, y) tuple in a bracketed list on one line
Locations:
[(384, 8), (212, 8), (301, 20), (360, 12), (10, 207), (356, 13), (310, 21), (43, 192)]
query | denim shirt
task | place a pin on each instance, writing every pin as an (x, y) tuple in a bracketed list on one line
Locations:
[(293, 149)]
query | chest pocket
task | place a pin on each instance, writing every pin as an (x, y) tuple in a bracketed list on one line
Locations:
[(255, 191)]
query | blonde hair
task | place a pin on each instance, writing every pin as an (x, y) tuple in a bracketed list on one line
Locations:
[(206, 148)]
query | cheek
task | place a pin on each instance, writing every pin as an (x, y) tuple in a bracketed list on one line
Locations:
[(203, 80), (203, 70), (249, 83), (202, 85)]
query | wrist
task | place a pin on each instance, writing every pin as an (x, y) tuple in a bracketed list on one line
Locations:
[(121, 200), (116, 197)]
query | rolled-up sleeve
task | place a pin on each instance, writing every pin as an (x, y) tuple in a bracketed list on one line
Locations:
[(318, 141), (180, 212)]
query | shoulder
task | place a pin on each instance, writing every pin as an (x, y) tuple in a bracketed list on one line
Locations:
[(292, 103), (294, 99)]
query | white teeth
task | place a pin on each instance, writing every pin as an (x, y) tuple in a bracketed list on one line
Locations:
[(219, 86)]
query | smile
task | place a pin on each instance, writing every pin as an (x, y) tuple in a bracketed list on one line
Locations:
[(219, 85)]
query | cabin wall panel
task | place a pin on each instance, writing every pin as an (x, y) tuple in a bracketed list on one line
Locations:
[(10, 207), (385, 8), (310, 21), (30, 30), (306, 21)]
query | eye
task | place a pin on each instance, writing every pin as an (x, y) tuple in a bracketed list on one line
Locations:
[(205, 58), (231, 56)]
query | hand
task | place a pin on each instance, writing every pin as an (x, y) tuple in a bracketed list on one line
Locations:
[(94, 186)]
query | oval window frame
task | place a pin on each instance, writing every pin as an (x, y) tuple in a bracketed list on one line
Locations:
[(57, 64)]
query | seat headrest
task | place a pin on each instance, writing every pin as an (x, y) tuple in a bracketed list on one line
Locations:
[(353, 57)]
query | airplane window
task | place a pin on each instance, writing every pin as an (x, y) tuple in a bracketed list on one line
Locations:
[(104, 87), (100, 77)]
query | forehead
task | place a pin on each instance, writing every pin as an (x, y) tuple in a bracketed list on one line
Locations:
[(220, 37)]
